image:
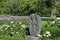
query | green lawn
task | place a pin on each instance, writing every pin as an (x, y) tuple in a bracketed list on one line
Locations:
[(16, 30), (13, 30)]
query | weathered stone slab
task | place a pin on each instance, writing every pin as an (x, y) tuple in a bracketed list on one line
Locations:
[(32, 38), (34, 25), (8, 18)]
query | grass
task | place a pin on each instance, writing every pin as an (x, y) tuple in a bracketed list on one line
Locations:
[(19, 31), (11, 38), (6, 35), (54, 29)]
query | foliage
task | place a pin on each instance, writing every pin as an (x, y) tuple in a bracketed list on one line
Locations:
[(26, 7), (6, 37), (57, 38), (13, 30), (16, 30), (58, 8), (53, 27)]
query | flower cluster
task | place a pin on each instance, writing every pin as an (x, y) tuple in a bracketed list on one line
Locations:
[(46, 35), (53, 22), (12, 28)]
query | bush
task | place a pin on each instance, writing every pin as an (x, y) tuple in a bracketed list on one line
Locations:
[(52, 28), (13, 30), (26, 7)]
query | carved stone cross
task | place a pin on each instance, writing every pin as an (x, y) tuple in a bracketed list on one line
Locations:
[(34, 25)]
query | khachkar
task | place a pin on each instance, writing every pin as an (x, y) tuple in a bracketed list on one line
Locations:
[(34, 26)]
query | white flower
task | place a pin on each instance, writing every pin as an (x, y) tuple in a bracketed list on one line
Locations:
[(7, 25), (17, 32), (53, 22), (39, 35), (47, 32), (1, 30), (12, 22), (57, 18), (24, 26), (44, 35), (12, 32), (47, 35), (6, 28), (11, 28), (20, 22)]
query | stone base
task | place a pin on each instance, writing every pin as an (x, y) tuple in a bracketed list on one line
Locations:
[(32, 38)]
